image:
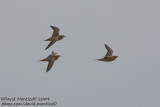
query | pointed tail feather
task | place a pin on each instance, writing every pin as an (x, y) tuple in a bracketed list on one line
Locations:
[(49, 39), (44, 59)]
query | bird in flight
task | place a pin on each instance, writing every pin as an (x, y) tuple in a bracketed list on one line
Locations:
[(55, 36), (108, 57), (51, 59)]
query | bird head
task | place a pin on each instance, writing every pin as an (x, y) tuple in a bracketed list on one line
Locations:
[(63, 36), (56, 57), (115, 57)]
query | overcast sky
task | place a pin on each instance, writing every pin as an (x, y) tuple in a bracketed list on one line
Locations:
[(129, 27)]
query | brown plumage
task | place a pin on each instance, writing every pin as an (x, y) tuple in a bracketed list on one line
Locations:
[(51, 59), (108, 57), (55, 36)]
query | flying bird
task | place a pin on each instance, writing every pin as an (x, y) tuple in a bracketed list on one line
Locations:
[(108, 57), (51, 59), (55, 36)]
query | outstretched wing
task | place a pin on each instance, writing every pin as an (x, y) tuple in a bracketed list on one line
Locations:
[(56, 30), (50, 44), (110, 51), (50, 64)]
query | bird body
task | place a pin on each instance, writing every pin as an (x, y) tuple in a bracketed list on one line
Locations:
[(51, 59), (55, 37), (108, 57), (58, 38)]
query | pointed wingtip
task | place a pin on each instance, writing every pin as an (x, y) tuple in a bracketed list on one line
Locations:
[(46, 48), (52, 27), (106, 46)]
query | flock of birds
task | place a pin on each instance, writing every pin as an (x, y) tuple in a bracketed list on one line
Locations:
[(57, 37)]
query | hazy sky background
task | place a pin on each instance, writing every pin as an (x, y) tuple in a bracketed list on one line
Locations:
[(130, 27)]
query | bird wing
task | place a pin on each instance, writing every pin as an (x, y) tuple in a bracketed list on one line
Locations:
[(56, 30), (53, 53), (50, 64), (51, 43), (110, 51)]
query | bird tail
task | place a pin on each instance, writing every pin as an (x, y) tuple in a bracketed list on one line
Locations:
[(49, 39), (44, 59)]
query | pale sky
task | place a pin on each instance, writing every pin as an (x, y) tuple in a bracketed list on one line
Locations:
[(129, 27)]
